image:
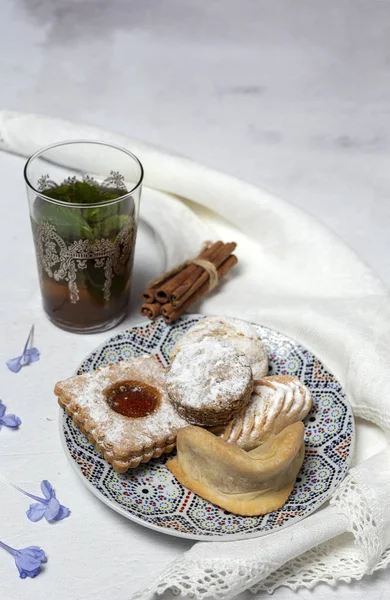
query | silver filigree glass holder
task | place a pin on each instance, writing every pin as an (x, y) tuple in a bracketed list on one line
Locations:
[(84, 203)]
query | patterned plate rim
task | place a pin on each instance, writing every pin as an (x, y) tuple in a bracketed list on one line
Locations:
[(193, 536)]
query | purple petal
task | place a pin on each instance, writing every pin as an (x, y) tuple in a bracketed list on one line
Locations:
[(52, 510), (36, 512), (35, 552), (62, 513), (29, 560), (47, 489), (14, 364), (10, 421), (2, 409), (31, 356)]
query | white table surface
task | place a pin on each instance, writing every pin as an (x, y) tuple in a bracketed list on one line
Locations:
[(292, 96)]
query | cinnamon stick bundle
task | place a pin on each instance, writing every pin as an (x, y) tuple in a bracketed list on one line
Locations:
[(162, 290), (175, 291), (189, 273)]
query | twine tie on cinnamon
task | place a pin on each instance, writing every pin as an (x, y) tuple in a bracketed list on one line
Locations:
[(208, 266)]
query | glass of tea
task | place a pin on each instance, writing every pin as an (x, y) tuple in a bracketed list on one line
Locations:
[(84, 203)]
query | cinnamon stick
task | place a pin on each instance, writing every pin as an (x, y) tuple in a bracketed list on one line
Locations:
[(151, 310), (189, 287), (149, 294), (167, 309), (165, 290), (173, 313)]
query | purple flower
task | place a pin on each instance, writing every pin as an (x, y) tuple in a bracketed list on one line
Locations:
[(28, 560), (48, 507), (8, 420), (28, 356)]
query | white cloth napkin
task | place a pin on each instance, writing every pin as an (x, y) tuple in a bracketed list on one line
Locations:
[(294, 276)]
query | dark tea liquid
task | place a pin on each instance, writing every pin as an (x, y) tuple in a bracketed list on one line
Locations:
[(85, 256), (89, 312)]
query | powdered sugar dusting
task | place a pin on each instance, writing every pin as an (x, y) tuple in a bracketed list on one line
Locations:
[(85, 396), (240, 334), (241, 327), (90, 395), (209, 373)]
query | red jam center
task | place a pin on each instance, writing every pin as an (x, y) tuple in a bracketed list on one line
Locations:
[(133, 399)]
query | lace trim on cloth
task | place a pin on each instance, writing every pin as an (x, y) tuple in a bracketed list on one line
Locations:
[(214, 581), (337, 560), (365, 513), (329, 563)]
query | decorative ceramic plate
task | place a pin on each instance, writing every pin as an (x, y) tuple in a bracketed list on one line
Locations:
[(152, 497)]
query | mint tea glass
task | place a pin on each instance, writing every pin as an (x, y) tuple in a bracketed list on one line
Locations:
[(84, 203)]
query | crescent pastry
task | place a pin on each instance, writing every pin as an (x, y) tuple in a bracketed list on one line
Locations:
[(244, 483)]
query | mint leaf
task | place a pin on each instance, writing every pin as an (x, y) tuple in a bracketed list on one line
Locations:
[(82, 192), (69, 222), (76, 223), (111, 226)]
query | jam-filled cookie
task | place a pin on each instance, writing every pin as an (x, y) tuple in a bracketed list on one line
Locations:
[(239, 334), (209, 382), (124, 410)]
